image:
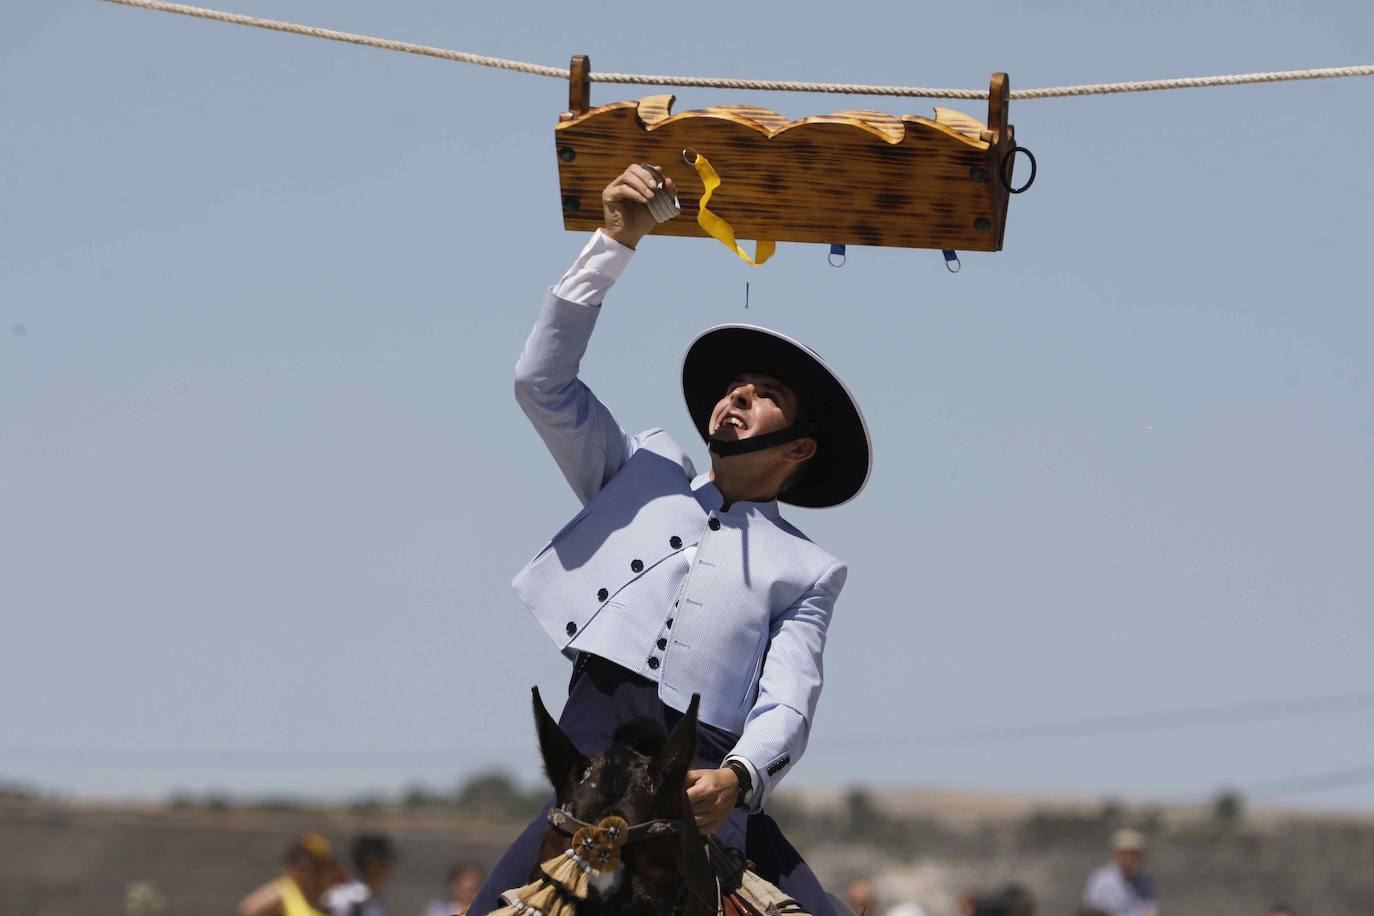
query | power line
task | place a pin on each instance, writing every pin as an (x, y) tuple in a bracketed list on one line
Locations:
[(1288, 786), (1219, 715), (1228, 714), (259, 758), (643, 79)]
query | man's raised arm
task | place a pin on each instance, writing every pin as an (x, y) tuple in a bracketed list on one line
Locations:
[(579, 431)]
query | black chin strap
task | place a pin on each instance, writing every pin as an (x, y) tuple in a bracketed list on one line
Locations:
[(728, 447)]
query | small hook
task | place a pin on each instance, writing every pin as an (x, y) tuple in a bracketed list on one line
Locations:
[(837, 250), (952, 258)]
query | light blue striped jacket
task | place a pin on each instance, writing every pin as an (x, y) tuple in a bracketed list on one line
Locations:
[(652, 574)]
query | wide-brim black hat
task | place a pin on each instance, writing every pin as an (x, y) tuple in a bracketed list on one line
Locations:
[(844, 452)]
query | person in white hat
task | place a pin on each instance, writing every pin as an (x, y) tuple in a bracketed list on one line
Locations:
[(1121, 887), (670, 582)]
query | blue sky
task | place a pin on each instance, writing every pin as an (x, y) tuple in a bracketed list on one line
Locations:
[(263, 485)]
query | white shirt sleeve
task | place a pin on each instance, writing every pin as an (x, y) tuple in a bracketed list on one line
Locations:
[(595, 270)]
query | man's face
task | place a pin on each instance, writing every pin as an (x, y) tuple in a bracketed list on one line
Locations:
[(1130, 862), (753, 404)]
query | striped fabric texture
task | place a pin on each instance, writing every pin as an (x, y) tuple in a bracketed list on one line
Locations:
[(652, 574)]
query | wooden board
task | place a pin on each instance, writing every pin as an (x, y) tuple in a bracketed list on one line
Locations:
[(854, 177)]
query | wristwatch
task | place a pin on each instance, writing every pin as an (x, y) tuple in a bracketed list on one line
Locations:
[(746, 784)]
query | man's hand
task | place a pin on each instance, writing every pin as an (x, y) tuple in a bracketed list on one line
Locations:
[(712, 794), (624, 204)]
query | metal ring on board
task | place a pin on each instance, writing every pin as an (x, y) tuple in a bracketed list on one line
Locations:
[(689, 156), (1009, 165)]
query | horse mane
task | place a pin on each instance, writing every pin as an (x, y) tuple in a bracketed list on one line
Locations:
[(643, 735)]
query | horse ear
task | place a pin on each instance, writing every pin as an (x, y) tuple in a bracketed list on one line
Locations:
[(681, 746), (562, 760)]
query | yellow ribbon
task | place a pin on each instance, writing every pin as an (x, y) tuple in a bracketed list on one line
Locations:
[(718, 228)]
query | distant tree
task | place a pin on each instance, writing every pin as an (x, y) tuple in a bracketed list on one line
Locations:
[(278, 803), (1111, 813), (495, 794), (418, 796), (864, 818), (13, 791), (367, 804), (1053, 827), (1228, 808)]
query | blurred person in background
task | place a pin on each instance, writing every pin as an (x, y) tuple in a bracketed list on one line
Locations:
[(841, 908), (907, 909), (1009, 900), (1121, 888), (859, 897), (464, 881), (374, 859), (310, 871)]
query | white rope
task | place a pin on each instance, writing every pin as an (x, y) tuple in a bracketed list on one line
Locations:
[(1193, 82), (331, 35), (642, 79)]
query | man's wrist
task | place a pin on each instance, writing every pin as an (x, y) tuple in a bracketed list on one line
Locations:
[(629, 240), (746, 782)]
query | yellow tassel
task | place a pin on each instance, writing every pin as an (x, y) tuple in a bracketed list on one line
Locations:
[(570, 879), (569, 875)]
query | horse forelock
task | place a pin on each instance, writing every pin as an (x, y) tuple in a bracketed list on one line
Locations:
[(623, 780), (643, 734)]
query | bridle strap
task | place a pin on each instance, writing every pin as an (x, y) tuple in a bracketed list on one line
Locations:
[(561, 820), (565, 824)]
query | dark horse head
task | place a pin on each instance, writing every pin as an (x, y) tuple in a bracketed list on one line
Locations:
[(640, 778)]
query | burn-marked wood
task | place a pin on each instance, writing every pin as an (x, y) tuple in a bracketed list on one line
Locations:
[(1003, 144), (854, 177), (579, 87)]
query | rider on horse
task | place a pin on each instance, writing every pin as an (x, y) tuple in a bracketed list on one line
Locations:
[(671, 583)]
